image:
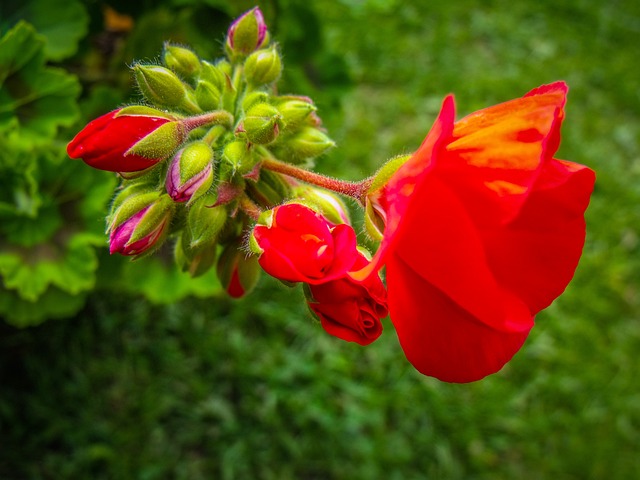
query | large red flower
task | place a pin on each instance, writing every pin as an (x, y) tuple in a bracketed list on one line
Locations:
[(350, 309), (484, 228), (103, 142), (301, 245)]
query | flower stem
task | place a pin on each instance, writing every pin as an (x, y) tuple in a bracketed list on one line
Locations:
[(252, 210), (352, 189), (217, 117)]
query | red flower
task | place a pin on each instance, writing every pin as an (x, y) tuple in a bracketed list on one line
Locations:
[(484, 228), (300, 245), (103, 143), (349, 309)]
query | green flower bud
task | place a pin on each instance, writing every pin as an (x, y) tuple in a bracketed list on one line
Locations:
[(261, 123), (270, 190), (159, 85), (305, 144), (254, 98), (196, 261), (237, 158), (208, 96), (181, 60), (238, 272), (294, 110), (205, 223), (216, 75), (263, 67)]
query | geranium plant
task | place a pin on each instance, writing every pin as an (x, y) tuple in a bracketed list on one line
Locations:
[(478, 230)]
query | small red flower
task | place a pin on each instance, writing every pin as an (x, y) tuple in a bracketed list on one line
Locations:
[(300, 245), (349, 309), (103, 143), (484, 228)]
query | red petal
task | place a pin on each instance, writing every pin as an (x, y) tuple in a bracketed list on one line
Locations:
[(440, 338), (536, 255)]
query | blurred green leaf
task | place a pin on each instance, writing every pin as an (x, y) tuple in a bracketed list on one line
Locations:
[(38, 97), (63, 23), (53, 303), (156, 277)]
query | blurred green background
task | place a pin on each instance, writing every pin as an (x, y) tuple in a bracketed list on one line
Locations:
[(99, 379)]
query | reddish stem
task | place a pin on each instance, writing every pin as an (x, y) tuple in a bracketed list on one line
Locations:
[(352, 189)]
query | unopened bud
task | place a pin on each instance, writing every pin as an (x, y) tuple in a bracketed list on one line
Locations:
[(237, 158), (238, 272), (205, 223), (140, 223), (270, 190), (325, 202), (305, 144), (207, 95), (159, 85), (263, 67), (190, 173), (181, 60), (254, 98), (195, 261), (294, 110), (262, 123), (247, 33), (216, 75)]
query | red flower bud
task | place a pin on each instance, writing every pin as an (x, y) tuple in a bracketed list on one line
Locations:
[(103, 143), (300, 245), (349, 309), (484, 228), (238, 272)]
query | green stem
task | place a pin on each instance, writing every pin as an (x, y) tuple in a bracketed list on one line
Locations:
[(355, 190), (252, 210)]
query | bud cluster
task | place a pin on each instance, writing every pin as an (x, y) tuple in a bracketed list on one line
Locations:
[(190, 153)]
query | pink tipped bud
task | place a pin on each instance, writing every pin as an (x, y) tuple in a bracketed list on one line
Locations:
[(247, 33), (139, 223), (190, 173)]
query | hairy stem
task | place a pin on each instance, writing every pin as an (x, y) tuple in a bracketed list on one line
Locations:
[(352, 189)]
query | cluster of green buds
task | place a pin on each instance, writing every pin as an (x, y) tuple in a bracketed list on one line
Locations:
[(191, 156)]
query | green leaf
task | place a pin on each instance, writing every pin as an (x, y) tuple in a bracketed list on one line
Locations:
[(30, 271), (63, 23), (41, 99)]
